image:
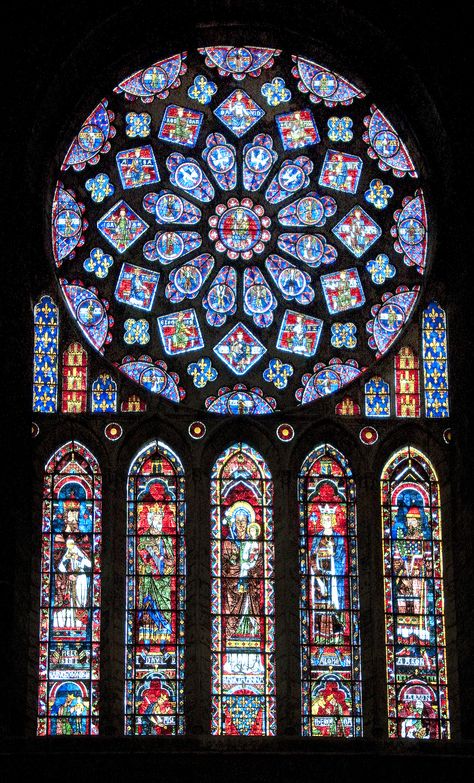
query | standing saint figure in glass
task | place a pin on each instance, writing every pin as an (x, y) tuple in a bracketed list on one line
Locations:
[(70, 593), (155, 593), (414, 600), (330, 636), (242, 603)]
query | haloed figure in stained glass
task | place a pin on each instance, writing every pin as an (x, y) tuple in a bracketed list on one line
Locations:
[(242, 564)]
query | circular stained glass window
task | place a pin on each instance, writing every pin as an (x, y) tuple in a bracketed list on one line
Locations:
[(240, 229)]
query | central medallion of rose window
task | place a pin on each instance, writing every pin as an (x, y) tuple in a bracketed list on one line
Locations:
[(239, 228)]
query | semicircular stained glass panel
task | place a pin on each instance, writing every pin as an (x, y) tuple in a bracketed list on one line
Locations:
[(239, 229)]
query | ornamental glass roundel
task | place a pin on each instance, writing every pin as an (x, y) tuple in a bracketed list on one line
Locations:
[(239, 229)]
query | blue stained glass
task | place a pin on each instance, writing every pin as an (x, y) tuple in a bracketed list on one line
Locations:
[(276, 92), (221, 299), (258, 158), (202, 372), (202, 89), (167, 246), (291, 177), (292, 282), (187, 174), (167, 207), (104, 394), (221, 158), (45, 356), (186, 281), (435, 362), (377, 398), (259, 302)]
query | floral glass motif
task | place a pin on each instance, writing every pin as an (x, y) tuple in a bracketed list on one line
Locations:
[(74, 380), (414, 598), (329, 603), (237, 228), (378, 194), (407, 383), (380, 269), (278, 373), (202, 90), (137, 125), (98, 262), (340, 129), (45, 356), (242, 596), (136, 331), (202, 372), (276, 92), (435, 362), (68, 699), (100, 187), (156, 574), (104, 394), (343, 335)]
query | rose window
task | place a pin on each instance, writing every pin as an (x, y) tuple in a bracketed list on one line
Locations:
[(240, 229)]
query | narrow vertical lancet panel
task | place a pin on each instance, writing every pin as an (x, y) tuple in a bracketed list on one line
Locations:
[(156, 572), (435, 362), (104, 394), (414, 600), (330, 635), (70, 593), (45, 356), (377, 398), (242, 600), (407, 384), (74, 379)]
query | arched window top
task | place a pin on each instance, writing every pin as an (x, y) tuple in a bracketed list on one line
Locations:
[(240, 461), (73, 458), (260, 193), (409, 461), (156, 457), (326, 452)]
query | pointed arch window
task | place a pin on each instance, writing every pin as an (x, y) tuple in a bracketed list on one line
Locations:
[(70, 593), (329, 604), (414, 599), (242, 602), (156, 573)]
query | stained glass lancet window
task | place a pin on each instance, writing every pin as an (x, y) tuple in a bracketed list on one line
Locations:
[(414, 598), (70, 593), (156, 572), (45, 356), (330, 635), (435, 362), (74, 398), (377, 398), (407, 383), (242, 602), (104, 394)]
